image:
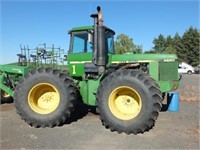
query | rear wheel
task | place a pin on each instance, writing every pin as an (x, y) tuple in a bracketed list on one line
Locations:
[(45, 97), (5, 97), (128, 101)]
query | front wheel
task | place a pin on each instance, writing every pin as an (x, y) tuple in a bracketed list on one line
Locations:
[(128, 101), (45, 97)]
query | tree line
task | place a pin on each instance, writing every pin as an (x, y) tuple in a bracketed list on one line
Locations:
[(186, 47)]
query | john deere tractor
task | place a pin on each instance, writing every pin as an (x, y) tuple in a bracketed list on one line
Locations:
[(127, 89)]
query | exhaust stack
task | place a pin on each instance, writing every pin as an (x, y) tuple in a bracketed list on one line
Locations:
[(100, 16), (99, 52)]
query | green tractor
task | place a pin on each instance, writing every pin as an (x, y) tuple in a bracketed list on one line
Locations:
[(126, 89)]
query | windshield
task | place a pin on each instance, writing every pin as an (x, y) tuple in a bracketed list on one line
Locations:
[(81, 42)]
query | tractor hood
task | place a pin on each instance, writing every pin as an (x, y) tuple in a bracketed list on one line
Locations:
[(134, 58)]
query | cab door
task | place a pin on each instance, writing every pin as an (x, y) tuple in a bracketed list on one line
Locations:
[(80, 53)]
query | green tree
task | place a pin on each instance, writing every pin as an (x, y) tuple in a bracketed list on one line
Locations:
[(179, 47), (169, 45), (159, 44), (190, 41), (186, 47), (124, 44), (150, 52), (138, 49), (169, 41)]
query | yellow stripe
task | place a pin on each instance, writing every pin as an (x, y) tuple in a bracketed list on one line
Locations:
[(79, 62)]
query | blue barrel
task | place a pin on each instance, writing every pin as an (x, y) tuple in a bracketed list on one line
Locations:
[(173, 101)]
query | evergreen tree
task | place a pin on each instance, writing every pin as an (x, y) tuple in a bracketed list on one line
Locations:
[(169, 45), (186, 47), (159, 44), (179, 47), (190, 41)]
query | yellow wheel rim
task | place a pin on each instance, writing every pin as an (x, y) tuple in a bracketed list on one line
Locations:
[(125, 103), (5, 95), (43, 98)]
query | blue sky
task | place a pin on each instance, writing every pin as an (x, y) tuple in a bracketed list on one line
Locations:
[(33, 22)]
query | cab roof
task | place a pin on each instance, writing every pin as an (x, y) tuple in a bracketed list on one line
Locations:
[(86, 28)]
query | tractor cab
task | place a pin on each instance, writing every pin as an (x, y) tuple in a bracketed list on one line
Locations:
[(83, 57), (90, 48), (82, 39)]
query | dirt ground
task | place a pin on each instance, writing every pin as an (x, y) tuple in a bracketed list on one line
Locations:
[(173, 130)]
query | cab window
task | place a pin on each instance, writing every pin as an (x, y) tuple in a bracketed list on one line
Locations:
[(80, 43), (110, 42)]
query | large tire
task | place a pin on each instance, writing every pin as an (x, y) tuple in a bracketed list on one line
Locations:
[(128, 101), (45, 97), (5, 98)]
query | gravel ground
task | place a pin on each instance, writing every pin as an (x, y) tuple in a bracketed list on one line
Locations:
[(180, 130), (189, 89)]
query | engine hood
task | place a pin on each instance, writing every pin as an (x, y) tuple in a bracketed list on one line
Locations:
[(134, 58)]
